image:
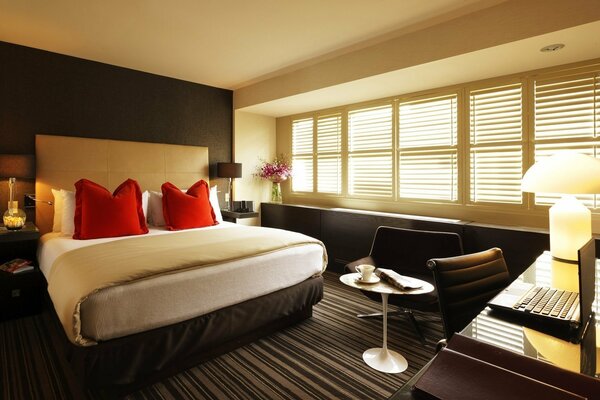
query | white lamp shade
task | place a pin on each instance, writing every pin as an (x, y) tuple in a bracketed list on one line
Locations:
[(565, 173)]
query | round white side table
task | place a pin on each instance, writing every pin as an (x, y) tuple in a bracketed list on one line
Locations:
[(381, 358)]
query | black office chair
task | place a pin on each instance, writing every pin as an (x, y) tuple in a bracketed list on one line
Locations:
[(465, 284), (407, 251)]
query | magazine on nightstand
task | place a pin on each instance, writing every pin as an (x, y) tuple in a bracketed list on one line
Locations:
[(16, 266)]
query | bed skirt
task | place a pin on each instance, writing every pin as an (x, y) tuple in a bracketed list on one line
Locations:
[(127, 363)]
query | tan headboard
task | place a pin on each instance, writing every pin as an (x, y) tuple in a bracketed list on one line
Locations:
[(61, 161)]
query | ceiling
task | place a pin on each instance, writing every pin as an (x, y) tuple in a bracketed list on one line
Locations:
[(581, 43), (234, 44), (222, 43)]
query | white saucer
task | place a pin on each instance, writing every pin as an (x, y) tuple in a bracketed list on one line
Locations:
[(374, 279)]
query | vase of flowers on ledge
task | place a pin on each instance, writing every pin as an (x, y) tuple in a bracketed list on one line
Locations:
[(276, 171)]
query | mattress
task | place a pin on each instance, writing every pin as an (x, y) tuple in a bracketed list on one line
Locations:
[(167, 299)]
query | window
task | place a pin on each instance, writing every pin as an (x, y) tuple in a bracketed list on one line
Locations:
[(302, 155), (495, 145), (567, 116), (427, 152), (370, 152), (466, 147), (329, 158)]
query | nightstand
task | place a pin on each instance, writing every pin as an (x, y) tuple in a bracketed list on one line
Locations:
[(21, 293), (233, 216)]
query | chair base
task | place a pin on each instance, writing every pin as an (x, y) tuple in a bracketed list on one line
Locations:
[(402, 311)]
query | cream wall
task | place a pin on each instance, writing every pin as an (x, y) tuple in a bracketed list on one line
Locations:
[(254, 139)]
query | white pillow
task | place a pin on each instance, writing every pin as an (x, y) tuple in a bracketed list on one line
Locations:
[(155, 208), (214, 202), (155, 211), (68, 212), (58, 209), (145, 198)]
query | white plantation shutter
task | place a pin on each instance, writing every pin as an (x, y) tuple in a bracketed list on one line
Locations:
[(496, 174), (567, 117), (370, 155), (329, 158), (495, 145), (428, 123), (567, 107), (428, 176), (302, 155), (427, 153)]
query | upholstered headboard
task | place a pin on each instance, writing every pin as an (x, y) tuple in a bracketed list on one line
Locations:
[(61, 161)]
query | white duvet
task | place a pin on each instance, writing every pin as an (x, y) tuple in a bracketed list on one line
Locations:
[(172, 298)]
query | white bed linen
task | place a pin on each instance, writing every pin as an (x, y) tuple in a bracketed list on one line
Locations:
[(172, 298)]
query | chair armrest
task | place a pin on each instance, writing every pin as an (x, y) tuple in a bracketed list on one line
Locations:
[(440, 345)]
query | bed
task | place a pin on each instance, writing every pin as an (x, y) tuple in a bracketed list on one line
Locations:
[(232, 288)]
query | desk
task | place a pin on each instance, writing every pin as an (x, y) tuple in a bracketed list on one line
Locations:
[(489, 327)]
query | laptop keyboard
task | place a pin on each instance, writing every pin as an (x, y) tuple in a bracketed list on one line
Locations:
[(546, 301)]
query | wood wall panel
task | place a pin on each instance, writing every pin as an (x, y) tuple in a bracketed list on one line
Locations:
[(348, 235)]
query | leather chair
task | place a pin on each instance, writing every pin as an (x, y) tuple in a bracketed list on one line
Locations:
[(407, 251), (466, 283)]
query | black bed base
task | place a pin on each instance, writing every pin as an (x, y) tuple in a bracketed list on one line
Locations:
[(120, 366)]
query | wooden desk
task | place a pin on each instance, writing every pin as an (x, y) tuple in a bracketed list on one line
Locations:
[(492, 328)]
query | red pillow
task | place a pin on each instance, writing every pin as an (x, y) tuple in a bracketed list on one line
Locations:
[(187, 210), (98, 213)]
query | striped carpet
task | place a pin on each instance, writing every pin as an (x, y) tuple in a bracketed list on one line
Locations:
[(320, 358)]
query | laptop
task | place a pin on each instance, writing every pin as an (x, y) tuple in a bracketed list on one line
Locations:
[(563, 310)]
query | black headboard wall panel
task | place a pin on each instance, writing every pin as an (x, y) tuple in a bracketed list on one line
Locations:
[(49, 93)]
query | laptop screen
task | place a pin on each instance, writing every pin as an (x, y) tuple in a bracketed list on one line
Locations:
[(587, 271)]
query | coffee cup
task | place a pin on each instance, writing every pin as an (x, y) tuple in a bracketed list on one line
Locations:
[(365, 271)]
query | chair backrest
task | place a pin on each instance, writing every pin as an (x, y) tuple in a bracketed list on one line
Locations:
[(466, 283), (408, 250)]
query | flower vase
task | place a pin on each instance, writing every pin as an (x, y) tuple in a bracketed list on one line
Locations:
[(276, 193)]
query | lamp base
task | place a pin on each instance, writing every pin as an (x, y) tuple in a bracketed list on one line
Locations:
[(14, 219), (570, 228)]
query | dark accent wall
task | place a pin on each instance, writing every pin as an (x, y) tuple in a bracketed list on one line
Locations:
[(49, 93)]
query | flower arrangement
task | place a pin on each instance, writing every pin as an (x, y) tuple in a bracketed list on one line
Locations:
[(276, 171)]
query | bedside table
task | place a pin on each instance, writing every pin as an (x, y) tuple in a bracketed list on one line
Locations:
[(233, 216), (21, 293)]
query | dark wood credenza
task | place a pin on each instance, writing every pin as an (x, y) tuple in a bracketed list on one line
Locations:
[(347, 234)]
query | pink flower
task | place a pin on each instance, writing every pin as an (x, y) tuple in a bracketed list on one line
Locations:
[(276, 171)]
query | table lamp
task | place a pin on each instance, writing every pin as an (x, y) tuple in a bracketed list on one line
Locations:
[(231, 171), (566, 173), (13, 166)]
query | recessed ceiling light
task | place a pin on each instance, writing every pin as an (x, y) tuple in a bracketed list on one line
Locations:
[(552, 47)]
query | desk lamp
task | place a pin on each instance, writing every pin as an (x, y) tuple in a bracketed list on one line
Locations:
[(231, 171), (566, 173)]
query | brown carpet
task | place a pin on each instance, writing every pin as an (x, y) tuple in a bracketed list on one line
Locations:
[(320, 358)]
